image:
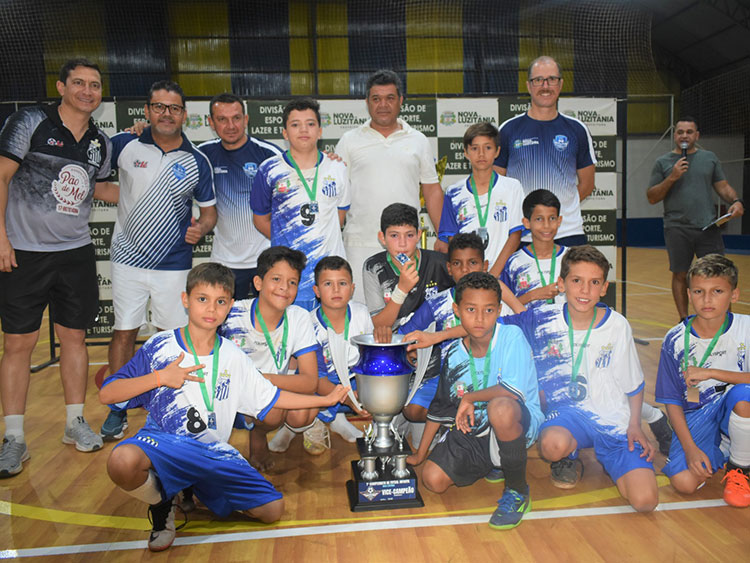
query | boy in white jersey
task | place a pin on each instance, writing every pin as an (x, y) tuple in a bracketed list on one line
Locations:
[(271, 331), (486, 202), (592, 383), (336, 320), (300, 199), (707, 390), (193, 383)]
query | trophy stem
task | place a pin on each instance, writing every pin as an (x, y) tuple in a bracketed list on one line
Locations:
[(383, 437)]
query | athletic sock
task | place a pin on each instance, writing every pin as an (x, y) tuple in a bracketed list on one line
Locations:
[(513, 457), (72, 412), (739, 440), (149, 492), (14, 426), (341, 426), (416, 431), (650, 413)]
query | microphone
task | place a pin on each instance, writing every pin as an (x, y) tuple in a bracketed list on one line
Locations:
[(684, 147)]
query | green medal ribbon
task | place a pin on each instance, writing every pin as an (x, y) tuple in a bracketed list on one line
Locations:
[(486, 368), (714, 340), (204, 389), (311, 192), (482, 218), (577, 359), (551, 270), (395, 269), (329, 325), (278, 359)]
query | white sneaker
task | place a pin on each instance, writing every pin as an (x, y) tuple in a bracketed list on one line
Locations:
[(281, 440), (12, 456), (341, 426), (163, 528), (317, 438), (81, 434)]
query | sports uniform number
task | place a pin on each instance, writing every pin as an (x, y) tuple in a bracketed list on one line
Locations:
[(195, 424), (308, 214)]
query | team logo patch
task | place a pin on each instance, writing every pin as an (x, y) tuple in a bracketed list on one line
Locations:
[(250, 169), (553, 349), (605, 356), (459, 389), (431, 290), (54, 142), (524, 282), (501, 212), (325, 119), (94, 153), (282, 187), (179, 171), (741, 350), (70, 189), (560, 142), (222, 386), (239, 341), (329, 187), (140, 164), (518, 143), (462, 215), (448, 118)]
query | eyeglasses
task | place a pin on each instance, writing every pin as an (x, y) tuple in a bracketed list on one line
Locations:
[(550, 80), (160, 108)]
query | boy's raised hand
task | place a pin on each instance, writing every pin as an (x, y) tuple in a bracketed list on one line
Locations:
[(408, 275), (382, 334), (175, 377)]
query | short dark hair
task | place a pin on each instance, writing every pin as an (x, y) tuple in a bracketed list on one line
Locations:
[(397, 215), (714, 266), (481, 129), (544, 59), (270, 256), (688, 119), (167, 85), (211, 273), (383, 77), (225, 98), (466, 240), (73, 64), (332, 263), (300, 104), (478, 280), (539, 197), (584, 253)]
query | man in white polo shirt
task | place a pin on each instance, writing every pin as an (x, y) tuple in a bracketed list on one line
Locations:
[(387, 161)]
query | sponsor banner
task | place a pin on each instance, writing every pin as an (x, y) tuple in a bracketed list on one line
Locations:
[(455, 115), (104, 277), (604, 195), (105, 118), (421, 114), (101, 237), (339, 116), (598, 114), (511, 106), (265, 118), (196, 127), (105, 321), (606, 153), (128, 112), (456, 164), (202, 249), (600, 226)]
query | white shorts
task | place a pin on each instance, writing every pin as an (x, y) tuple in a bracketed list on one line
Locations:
[(132, 288)]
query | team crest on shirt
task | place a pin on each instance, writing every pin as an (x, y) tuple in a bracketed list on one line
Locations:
[(94, 153), (741, 349), (560, 142), (501, 212), (54, 142), (70, 189), (524, 282), (553, 349), (462, 215), (282, 187), (239, 341), (605, 356), (327, 356), (222, 386), (250, 169), (179, 171), (459, 388), (329, 186), (430, 290), (518, 143)]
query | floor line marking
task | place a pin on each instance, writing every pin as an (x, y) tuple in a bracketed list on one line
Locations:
[(350, 528)]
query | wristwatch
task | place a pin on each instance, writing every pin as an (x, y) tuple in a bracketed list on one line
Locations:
[(740, 200)]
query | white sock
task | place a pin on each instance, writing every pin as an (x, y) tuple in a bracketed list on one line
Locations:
[(72, 412), (281, 440), (416, 430), (14, 426), (739, 440), (148, 492), (650, 413), (341, 426)]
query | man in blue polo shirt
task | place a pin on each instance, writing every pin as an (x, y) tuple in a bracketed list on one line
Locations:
[(545, 149), (161, 172)]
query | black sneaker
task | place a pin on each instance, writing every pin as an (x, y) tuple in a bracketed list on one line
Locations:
[(163, 530), (566, 473), (663, 433)]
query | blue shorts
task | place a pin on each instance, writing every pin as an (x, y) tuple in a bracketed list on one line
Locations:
[(611, 449), (706, 425), (426, 392), (221, 478)]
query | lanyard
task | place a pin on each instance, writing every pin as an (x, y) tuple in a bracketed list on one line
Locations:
[(209, 402), (577, 359), (482, 219), (311, 192), (710, 348), (278, 359), (485, 369), (329, 325), (551, 268), (395, 270)]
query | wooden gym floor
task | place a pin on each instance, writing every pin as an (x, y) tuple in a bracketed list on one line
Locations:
[(63, 506)]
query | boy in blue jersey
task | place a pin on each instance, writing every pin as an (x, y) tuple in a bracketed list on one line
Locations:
[(488, 395), (592, 383), (704, 381), (485, 203), (272, 331), (300, 199), (336, 320), (193, 382)]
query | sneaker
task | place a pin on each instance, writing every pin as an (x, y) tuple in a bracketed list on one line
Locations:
[(114, 426), (737, 488), (185, 500), (80, 434), (510, 510), (163, 530), (13, 454), (496, 475), (566, 473), (663, 433), (281, 440), (317, 439)]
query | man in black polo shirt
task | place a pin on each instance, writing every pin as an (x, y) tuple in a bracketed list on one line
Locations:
[(51, 160)]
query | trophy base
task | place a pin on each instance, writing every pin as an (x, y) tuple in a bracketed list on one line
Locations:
[(387, 492)]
